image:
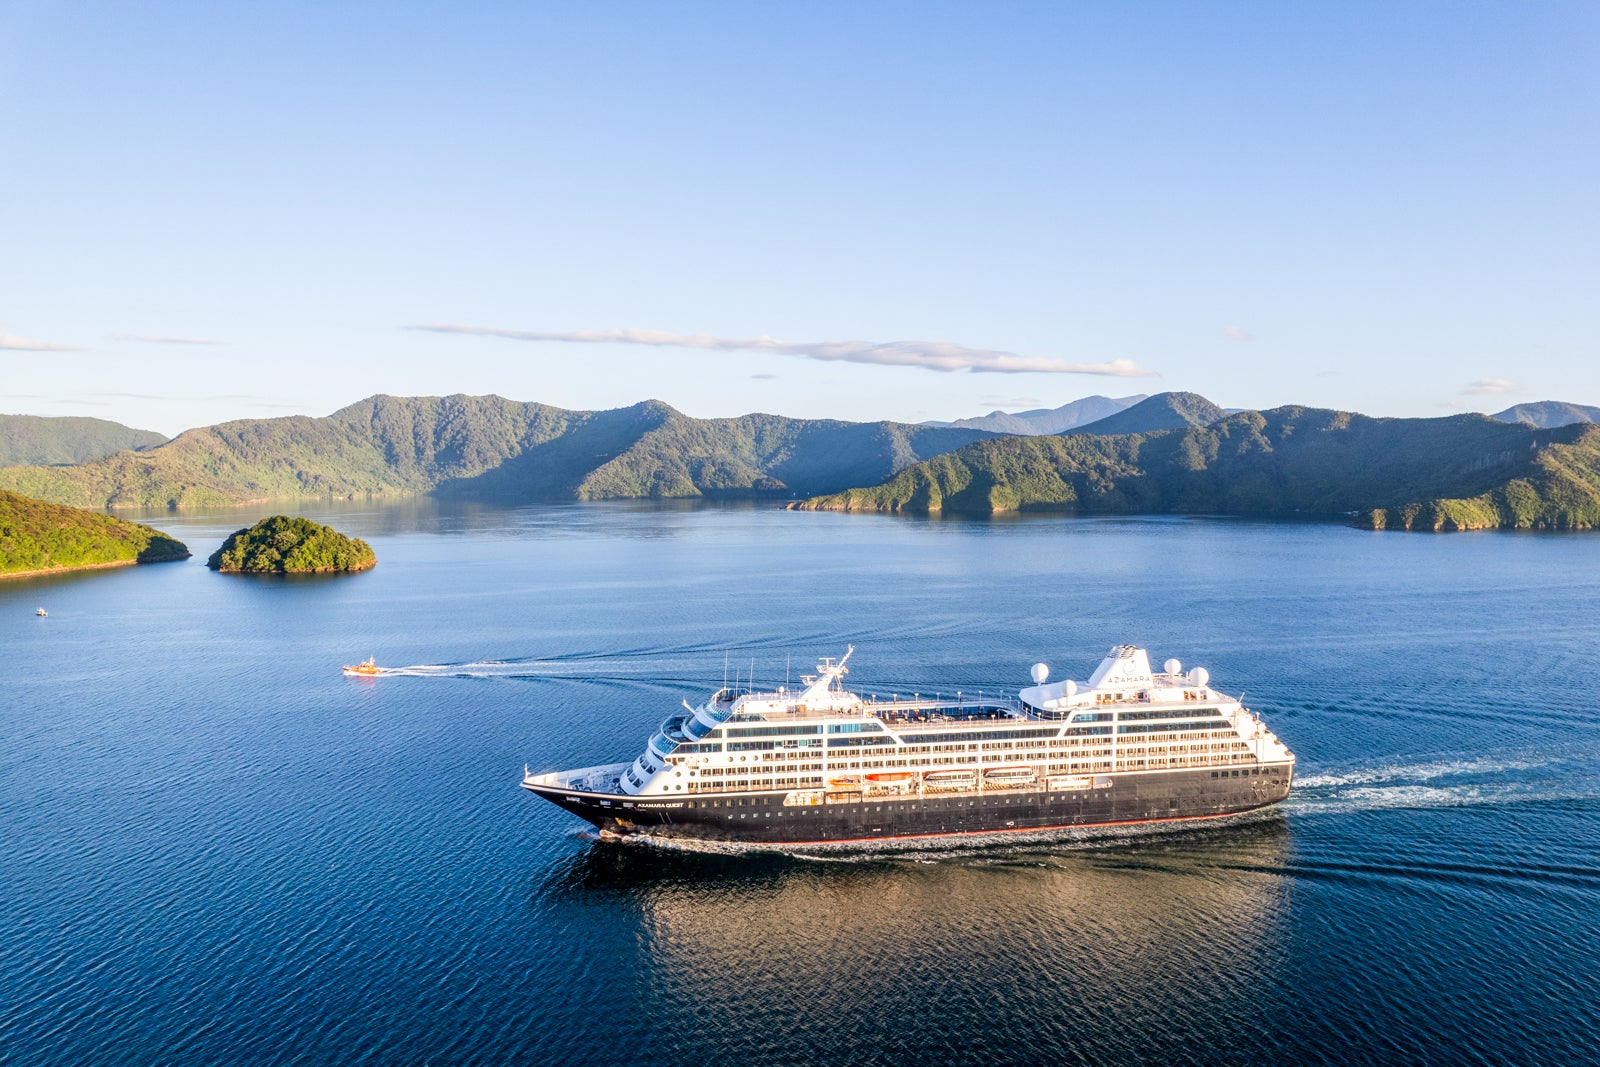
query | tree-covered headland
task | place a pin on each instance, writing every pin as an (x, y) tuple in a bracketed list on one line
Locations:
[(38, 537)]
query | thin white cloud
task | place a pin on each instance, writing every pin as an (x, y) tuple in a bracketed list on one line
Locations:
[(1489, 387), (157, 340), (1235, 333), (12, 343), (930, 355)]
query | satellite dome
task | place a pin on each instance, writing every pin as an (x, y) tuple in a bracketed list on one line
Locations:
[(1040, 673), (1173, 666), (1069, 688), (1199, 676)]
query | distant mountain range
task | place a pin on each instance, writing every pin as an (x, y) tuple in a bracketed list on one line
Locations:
[(1172, 452), (1164, 411), (1549, 414), (1081, 415), (37, 440), (490, 447), (1462, 472), (1047, 420)]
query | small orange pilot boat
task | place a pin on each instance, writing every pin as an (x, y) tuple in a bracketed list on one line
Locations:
[(367, 669)]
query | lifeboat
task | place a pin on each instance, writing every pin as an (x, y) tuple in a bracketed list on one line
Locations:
[(845, 782), (950, 777), (1009, 775), (1069, 781), (889, 777), (365, 669)]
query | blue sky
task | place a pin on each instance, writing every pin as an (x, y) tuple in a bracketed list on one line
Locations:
[(860, 211)]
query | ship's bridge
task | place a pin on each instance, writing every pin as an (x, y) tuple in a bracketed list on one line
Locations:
[(1123, 677)]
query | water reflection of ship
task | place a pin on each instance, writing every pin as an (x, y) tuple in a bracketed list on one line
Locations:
[(1177, 919)]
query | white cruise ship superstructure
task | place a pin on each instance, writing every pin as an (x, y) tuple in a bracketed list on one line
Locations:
[(822, 764)]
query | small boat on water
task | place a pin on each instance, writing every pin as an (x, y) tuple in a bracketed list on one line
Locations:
[(41, 613), (365, 669)]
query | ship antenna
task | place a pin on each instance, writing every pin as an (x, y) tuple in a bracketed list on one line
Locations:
[(724, 668)]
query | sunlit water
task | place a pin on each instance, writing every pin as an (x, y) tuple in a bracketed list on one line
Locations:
[(218, 850)]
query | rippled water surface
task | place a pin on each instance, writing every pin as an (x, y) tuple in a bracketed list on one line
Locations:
[(218, 850)]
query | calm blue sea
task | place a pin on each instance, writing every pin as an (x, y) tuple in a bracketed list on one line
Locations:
[(214, 849)]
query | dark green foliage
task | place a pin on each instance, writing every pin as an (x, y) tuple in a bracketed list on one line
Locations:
[(36, 536), (1463, 472), (285, 545), (489, 447), (39, 441)]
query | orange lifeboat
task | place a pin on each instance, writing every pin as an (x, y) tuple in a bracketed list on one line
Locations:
[(366, 669)]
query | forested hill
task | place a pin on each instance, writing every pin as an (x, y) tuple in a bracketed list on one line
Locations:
[(1164, 411), (1462, 472), (37, 537), (36, 439), (487, 446)]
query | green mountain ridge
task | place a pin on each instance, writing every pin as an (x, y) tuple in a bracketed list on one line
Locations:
[(491, 447), (1461, 472), (40, 537), (38, 440)]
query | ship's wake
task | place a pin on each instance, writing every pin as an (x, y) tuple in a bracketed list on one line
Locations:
[(1568, 775)]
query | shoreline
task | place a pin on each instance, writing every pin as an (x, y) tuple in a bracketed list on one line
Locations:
[(70, 570)]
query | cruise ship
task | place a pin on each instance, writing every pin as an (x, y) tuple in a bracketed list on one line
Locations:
[(821, 764)]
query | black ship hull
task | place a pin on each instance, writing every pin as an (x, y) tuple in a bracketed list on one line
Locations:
[(764, 818)]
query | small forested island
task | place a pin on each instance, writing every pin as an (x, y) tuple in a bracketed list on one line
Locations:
[(286, 545), (41, 538)]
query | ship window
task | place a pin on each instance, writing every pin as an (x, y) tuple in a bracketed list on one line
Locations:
[(853, 728), (1093, 716), (770, 731)]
